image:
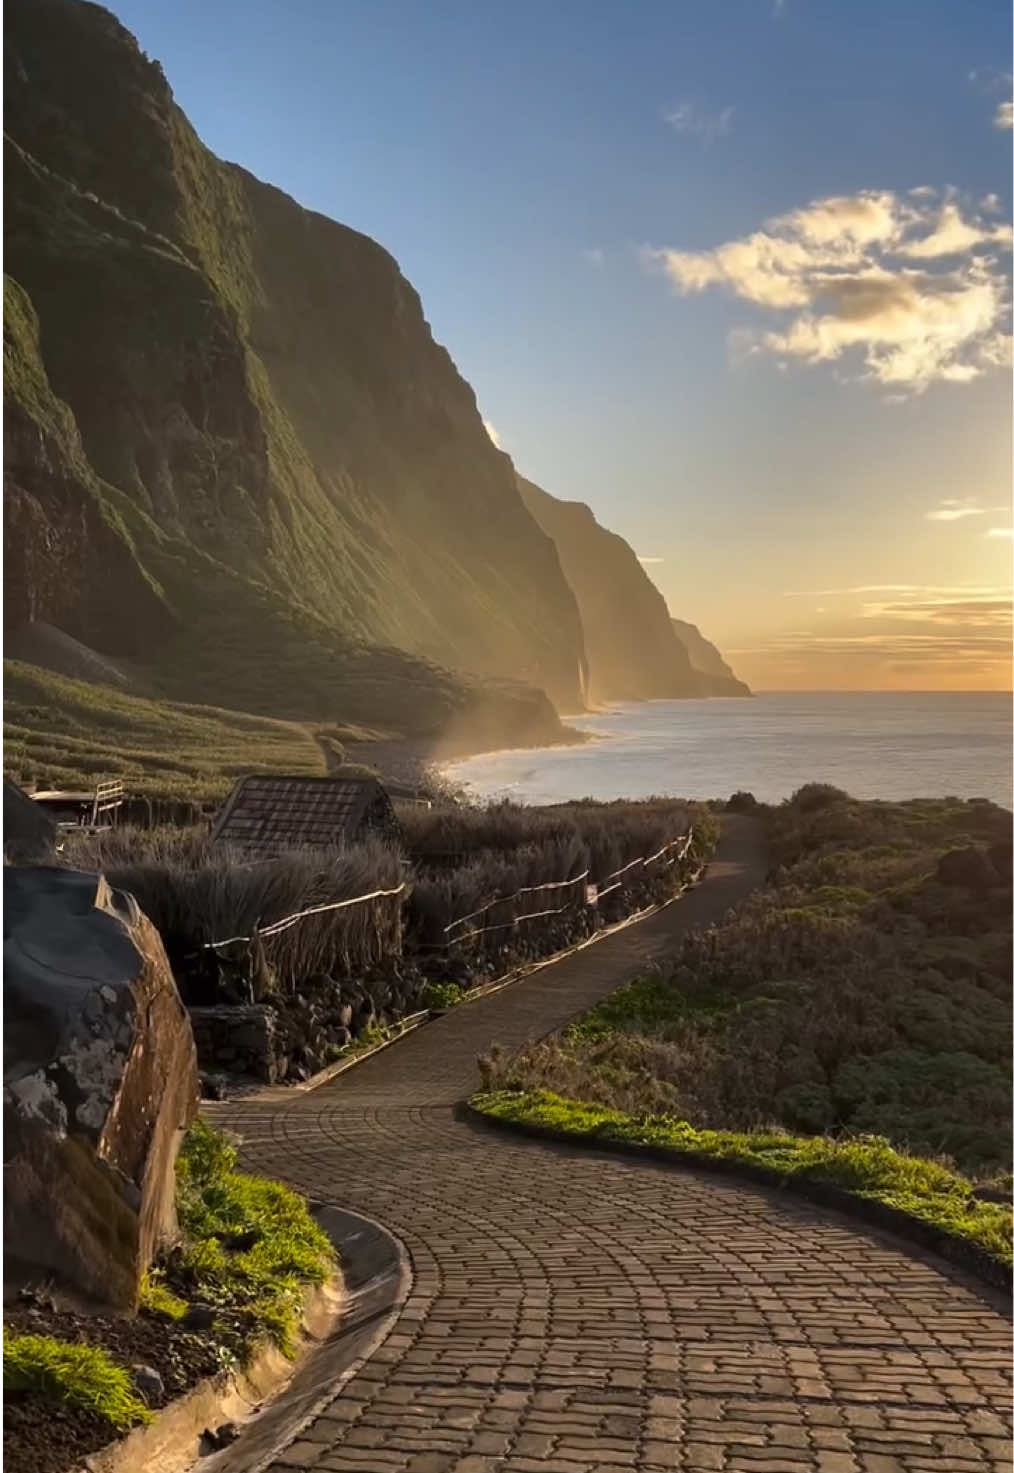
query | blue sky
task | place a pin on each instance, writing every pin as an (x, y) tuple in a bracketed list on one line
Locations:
[(518, 158)]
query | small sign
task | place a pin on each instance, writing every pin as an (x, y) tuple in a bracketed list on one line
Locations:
[(591, 894)]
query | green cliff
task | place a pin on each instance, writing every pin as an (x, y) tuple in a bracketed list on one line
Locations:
[(235, 452)]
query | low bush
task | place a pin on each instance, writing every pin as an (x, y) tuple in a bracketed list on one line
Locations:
[(855, 994)]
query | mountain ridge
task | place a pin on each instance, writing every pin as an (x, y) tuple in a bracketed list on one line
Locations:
[(236, 454), (635, 650)]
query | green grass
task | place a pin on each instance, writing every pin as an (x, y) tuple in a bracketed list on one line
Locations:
[(866, 1167), (81, 1377), (68, 733), (249, 1244), (648, 1005), (443, 995), (156, 1299)]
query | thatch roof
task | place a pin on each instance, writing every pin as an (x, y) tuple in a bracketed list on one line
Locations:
[(269, 815)]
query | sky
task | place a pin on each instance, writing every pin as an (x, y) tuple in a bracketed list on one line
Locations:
[(735, 273)]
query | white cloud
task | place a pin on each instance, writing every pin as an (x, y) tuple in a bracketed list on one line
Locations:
[(594, 256), (954, 511), (1000, 532), (1004, 115), (840, 268), (688, 118), (955, 236), (647, 560), (491, 432)]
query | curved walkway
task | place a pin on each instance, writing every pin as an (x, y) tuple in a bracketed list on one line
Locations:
[(572, 1312)]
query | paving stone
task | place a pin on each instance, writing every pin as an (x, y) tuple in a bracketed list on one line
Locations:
[(576, 1312)]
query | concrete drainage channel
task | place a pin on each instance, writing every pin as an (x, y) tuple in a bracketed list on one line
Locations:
[(344, 1322), (378, 1277)]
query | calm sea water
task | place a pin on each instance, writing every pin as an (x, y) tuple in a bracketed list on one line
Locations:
[(875, 745)]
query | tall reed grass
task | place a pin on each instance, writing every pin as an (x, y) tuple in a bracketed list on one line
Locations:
[(196, 892)]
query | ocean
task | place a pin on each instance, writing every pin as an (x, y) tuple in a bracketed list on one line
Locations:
[(873, 744)]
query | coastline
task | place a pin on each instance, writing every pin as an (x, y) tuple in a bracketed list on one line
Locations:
[(415, 769)]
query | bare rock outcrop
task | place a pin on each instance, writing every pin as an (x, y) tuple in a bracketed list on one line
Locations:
[(100, 1082)]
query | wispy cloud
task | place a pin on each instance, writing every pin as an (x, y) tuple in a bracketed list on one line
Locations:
[(970, 613), (492, 433), (842, 269), (955, 511), (647, 560), (594, 256), (908, 590), (698, 122), (1004, 115), (1000, 532)]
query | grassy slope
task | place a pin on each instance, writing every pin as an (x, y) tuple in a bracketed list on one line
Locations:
[(855, 994), (857, 999), (67, 732)]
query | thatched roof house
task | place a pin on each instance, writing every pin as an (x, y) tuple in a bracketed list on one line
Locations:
[(265, 816)]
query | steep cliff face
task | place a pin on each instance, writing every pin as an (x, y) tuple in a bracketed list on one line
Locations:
[(633, 652), (265, 441), (717, 677), (67, 558)]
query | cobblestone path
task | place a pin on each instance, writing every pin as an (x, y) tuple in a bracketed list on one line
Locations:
[(573, 1312)]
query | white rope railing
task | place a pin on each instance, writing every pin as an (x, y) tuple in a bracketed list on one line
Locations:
[(525, 890), (506, 925), (683, 840), (277, 927)]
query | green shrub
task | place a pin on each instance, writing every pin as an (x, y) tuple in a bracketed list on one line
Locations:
[(813, 796), (248, 1243), (853, 994), (439, 996), (79, 1376)]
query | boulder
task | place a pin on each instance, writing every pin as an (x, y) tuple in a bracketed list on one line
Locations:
[(100, 1083)]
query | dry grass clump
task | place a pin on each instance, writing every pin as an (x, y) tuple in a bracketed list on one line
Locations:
[(493, 881), (196, 892), (507, 896)]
